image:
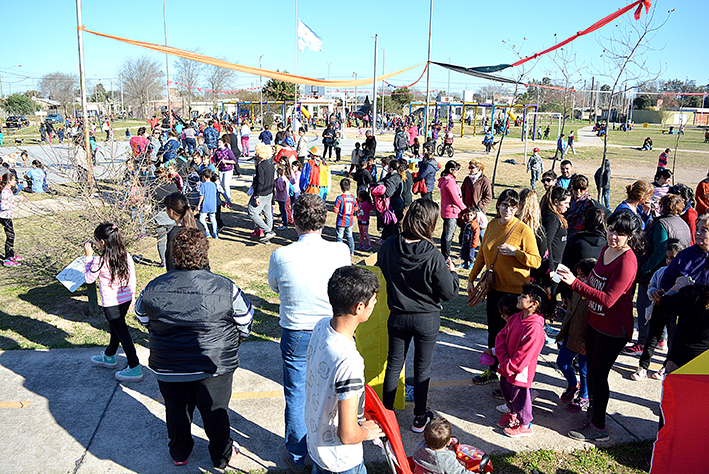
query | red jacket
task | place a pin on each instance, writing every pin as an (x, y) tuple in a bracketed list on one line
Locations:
[(702, 196), (518, 346), (451, 197)]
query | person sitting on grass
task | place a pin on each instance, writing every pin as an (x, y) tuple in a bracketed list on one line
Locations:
[(334, 391), (517, 347)]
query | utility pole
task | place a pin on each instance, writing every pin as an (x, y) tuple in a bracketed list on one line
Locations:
[(260, 100), (82, 84), (428, 74), (593, 106), (355, 97), (384, 53), (167, 65), (374, 88)]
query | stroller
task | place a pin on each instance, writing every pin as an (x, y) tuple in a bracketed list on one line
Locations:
[(472, 458)]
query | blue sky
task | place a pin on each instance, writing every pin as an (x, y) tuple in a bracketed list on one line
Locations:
[(469, 33)]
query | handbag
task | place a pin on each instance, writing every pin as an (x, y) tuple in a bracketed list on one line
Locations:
[(487, 279)]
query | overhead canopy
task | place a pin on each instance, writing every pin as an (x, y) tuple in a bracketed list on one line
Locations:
[(470, 71)]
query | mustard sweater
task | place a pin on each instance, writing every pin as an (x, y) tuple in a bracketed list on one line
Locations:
[(511, 272)]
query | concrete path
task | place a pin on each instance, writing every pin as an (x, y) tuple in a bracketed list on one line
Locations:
[(59, 414)]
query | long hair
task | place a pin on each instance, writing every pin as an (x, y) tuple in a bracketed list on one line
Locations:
[(179, 205), (555, 194), (529, 211), (114, 252), (626, 222), (420, 221)]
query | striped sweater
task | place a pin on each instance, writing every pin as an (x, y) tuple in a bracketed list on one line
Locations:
[(113, 293)]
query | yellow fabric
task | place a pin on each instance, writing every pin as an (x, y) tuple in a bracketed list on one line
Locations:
[(510, 272), (697, 366), (373, 343), (281, 76)]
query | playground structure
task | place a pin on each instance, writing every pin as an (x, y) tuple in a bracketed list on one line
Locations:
[(534, 128), (306, 107), (506, 109)]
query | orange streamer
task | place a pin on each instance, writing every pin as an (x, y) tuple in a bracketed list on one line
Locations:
[(281, 76)]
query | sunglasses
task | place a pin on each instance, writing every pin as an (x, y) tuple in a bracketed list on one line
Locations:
[(546, 180)]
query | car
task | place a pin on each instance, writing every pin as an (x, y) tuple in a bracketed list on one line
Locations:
[(54, 118), (16, 121)]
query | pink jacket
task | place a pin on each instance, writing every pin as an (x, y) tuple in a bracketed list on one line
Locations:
[(518, 346), (451, 197)]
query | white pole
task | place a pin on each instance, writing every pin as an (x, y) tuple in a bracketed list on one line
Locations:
[(384, 52), (167, 65), (120, 76), (374, 88), (260, 87), (82, 85), (296, 61), (428, 74)]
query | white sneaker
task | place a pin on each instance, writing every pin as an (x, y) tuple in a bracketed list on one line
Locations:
[(502, 408), (639, 374), (659, 375)]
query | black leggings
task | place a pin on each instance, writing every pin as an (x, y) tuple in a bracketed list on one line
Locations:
[(658, 322), (423, 328), (9, 238), (116, 316), (495, 323), (601, 353)]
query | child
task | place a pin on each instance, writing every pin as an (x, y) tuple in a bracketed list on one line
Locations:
[(8, 203), (281, 196), (355, 158), (115, 273), (657, 320), (434, 455), (221, 199), (266, 136), (416, 147), (208, 203), (572, 337), (203, 149), (364, 202), (345, 208), (333, 396), (127, 134), (536, 166), (517, 347), (338, 146), (469, 237)]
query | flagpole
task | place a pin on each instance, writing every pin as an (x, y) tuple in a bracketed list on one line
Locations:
[(82, 85), (167, 65), (374, 89), (384, 55), (428, 74), (295, 105)]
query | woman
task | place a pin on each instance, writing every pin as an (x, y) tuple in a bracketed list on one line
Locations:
[(518, 253), (392, 182), (196, 320), (224, 160), (233, 143), (418, 279), (554, 204), (588, 242), (581, 201), (610, 321), (427, 173), (638, 200), (689, 215), (692, 262), (451, 204), (702, 195), (476, 188), (178, 209), (530, 213)]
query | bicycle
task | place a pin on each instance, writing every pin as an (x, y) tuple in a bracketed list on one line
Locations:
[(445, 148)]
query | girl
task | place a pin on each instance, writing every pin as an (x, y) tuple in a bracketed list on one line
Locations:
[(178, 209), (416, 147), (610, 321), (281, 196), (224, 160), (365, 209), (115, 273), (245, 132), (8, 203), (572, 336), (517, 348)]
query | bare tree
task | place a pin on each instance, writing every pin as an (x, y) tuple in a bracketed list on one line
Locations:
[(625, 59), (142, 80), (565, 61), (60, 87), (219, 79), (188, 72)]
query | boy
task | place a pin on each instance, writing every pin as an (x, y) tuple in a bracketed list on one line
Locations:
[(536, 166), (346, 208), (208, 203), (434, 455), (469, 237), (265, 136), (517, 347), (334, 387)]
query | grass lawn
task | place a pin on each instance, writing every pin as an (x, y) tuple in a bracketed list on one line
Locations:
[(693, 138)]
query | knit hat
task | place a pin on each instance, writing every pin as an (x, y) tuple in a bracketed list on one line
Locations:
[(536, 150)]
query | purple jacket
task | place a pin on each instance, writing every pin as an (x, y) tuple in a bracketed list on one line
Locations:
[(693, 262)]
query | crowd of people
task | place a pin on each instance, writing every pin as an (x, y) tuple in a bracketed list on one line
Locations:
[(563, 256)]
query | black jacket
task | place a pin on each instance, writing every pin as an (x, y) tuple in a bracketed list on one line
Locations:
[(581, 245), (556, 237), (363, 178), (417, 276), (691, 338), (192, 328), (264, 178)]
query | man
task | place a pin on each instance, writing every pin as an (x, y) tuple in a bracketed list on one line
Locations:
[(328, 140), (263, 184), (315, 178), (561, 146), (401, 143), (211, 136), (335, 395), (566, 171), (299, 273)]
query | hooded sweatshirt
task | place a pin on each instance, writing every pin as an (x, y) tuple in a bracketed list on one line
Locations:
[(417, 276), (518, 346), (429, 461), (451, 198)]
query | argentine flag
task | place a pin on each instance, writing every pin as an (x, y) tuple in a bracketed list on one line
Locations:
[(308, 38)]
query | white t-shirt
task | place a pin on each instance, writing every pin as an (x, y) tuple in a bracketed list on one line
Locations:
[(335, 371)]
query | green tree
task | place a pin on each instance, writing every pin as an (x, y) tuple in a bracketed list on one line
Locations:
[(278, 90), (402, 96), (18, 103), (99, 94)]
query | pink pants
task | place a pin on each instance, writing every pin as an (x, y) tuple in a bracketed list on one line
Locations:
[(245, 146)]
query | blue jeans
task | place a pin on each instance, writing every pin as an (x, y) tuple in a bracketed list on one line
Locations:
[(294, 346), (350, 239), (359, 469), (399, 154), (564, 362), (213, 219), (534, 178), (605, 195)]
